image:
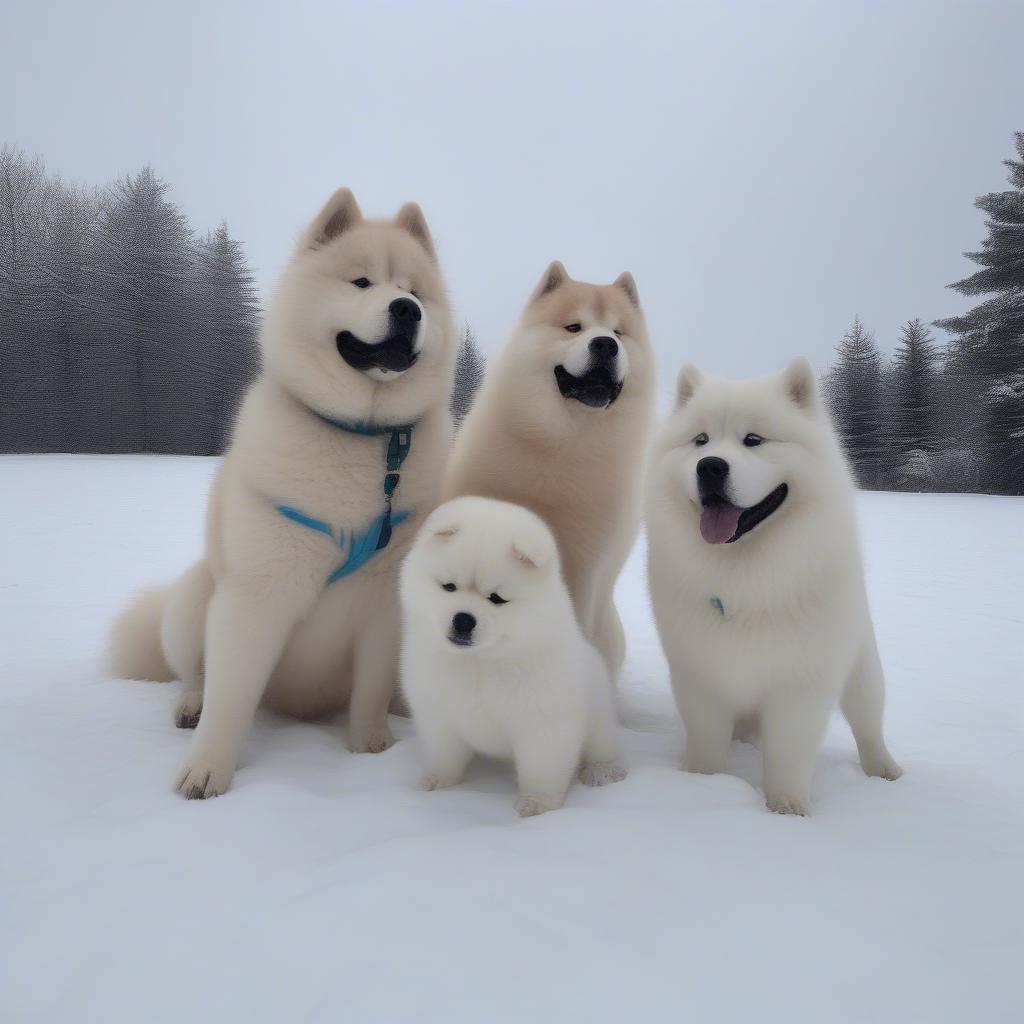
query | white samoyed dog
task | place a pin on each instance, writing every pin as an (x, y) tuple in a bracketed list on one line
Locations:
[(756, 580), (493, 659)]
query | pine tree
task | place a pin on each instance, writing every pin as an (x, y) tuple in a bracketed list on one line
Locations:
[(854, 388), (912, 393), (118, 330), (227, 321), (469, 375), (147, 266), (987, 353), (23, 382)]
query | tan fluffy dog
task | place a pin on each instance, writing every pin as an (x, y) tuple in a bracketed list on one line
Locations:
[(336, 459), (561, 426)]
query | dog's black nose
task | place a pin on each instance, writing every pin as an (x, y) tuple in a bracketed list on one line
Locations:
[(712, 470), (405, 309), (603, 348), (463, 623)]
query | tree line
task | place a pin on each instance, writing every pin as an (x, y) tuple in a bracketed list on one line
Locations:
[(121, 328), (946, 417)]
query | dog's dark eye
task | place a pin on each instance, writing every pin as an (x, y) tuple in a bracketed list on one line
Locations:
[(618, 334), (701, 439), (752, 440), (497, 599), (362, 282), (574, 328), (450, 587)]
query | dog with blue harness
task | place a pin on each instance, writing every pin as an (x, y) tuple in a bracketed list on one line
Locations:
[(363, 545), (337, 456)]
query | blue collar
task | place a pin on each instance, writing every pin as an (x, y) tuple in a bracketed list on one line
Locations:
[(360, 427)]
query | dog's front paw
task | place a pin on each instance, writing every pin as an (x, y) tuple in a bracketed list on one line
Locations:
[(186, 714), (199, 780), (882, 768), (376, 741), (430, 782), (783, 803), (530, 806), (602, 773)]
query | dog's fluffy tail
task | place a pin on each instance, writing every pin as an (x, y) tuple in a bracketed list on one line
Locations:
[(135, 648)]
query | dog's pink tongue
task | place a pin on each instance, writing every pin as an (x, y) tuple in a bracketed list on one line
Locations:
[(718, 523)]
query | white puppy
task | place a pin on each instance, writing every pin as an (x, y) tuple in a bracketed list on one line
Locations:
[(493, 659), (756, 579)]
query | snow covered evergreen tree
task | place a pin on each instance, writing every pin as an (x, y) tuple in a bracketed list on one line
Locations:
[(227, 313), (119, 331), (911, 395), (854, 389), (987, 353), (469, 375)]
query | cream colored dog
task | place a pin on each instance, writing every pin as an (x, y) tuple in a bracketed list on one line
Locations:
[(493, 658), (560, 425), (336, 458)]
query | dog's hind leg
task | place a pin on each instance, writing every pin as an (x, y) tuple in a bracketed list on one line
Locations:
[(862, 702), (182, 635)]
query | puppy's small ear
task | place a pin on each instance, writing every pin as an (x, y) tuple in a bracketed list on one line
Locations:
[(798, 383), (340, 214), (628, 285), (531, 554), (410, 218), (690, 378), (554, 277)]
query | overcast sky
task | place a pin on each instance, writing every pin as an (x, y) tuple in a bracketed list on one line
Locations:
[(766, 170)]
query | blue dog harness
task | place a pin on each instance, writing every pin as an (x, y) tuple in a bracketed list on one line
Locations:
[(377, 535)]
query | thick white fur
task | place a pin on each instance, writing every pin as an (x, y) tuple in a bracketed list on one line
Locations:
[(530, 688), (254, 621), (796, 636), (579, 468)]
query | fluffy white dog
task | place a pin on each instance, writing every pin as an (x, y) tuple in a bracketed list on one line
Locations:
[(336, 458), (493, 659), (756, 578)]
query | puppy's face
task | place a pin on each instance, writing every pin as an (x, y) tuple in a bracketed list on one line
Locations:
[(742, 453), (479, 575), (362, 304), (583, 345)]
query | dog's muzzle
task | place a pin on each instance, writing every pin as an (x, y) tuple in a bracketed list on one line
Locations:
[(461, 631), (396, 352), (722, 522), (598, 386)]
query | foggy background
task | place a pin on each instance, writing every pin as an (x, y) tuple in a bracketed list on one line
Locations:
[(766, 171)]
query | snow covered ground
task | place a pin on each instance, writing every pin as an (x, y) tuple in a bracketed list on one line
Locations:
[(324, 886)]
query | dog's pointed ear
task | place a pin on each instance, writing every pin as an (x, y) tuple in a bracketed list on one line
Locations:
[(799, 384), (690, 378), (628, 285), (554, 277), (341, 213), (410, 218)]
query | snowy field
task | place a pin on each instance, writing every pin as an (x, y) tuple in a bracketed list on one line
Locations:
[(325, 886)]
